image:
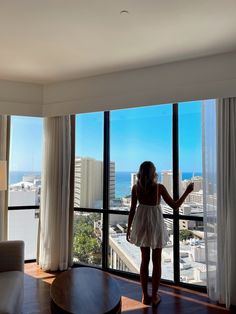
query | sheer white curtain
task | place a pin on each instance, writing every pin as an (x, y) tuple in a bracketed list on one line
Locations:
[(55, 212), (209, 195), (4, 154), (219, 172), (226, 204)]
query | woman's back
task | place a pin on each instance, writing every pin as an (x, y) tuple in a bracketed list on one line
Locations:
[(150, 196)]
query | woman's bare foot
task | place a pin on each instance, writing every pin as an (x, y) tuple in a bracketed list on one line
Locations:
[(147, 300), (156, 300)]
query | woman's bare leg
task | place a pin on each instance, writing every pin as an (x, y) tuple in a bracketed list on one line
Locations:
[(145, 258), (156, 274)]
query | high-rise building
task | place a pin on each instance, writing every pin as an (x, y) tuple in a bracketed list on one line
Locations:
[(198, 183), (89, 182), (167, 181)]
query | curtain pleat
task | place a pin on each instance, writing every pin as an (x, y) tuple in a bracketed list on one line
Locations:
[(219, 172), (56, 209), (226, 202), (209, 193)]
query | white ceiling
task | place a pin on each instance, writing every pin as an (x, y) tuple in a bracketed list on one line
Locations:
[(52, 40)]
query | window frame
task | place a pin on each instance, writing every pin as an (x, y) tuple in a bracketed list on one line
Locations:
[(175, 216)]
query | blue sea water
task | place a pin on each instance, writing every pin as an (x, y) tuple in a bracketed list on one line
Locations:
[(123, 180)]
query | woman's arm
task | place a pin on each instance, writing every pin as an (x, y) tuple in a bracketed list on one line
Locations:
[(169, 200), (132, 211)]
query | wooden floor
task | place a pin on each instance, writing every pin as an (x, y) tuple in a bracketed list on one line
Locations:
[(174, 300)]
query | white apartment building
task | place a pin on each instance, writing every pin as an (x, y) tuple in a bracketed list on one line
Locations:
[(89, 182), (25, 192)]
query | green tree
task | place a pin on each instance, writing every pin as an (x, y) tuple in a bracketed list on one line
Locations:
[(185, 234), (86, 246)]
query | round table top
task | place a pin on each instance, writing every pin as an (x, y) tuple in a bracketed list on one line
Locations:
[(86, 290)]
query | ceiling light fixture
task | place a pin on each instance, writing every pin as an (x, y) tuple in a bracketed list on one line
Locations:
[(124, 12)]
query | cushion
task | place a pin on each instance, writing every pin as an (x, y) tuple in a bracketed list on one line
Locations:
[(11, 292)]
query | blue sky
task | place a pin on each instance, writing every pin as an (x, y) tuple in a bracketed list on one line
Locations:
[(26, 143), (144, 133), (137, 134)]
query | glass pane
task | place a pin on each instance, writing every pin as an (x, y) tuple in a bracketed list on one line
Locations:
[(87, 239), (122, 255), (25, 181), (23, 225), (190, 156), (192, 252), (140, 134), (126, 256), (168, 252), (25, 161), (89, 160)]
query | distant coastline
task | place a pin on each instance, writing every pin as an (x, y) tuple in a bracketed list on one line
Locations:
[(16, 176), (123, 179)]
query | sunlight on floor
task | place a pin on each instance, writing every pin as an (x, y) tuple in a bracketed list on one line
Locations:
[(131, 304), (37, 273)]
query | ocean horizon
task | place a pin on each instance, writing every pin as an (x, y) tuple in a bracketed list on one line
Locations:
[(122, 183)]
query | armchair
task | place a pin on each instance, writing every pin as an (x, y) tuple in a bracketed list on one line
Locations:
[(11, 276)]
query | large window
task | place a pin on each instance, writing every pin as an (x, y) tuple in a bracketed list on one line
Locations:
[(25, 181), (190, 156), (87, 242), (191, 231), (88, 193), (89, 160), (136, 135), (168, 135)]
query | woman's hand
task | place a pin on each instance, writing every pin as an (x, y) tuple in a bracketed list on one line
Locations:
[(190, 187)]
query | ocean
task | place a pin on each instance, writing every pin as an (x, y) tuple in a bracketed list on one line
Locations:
[(16, 176), (123, 179)]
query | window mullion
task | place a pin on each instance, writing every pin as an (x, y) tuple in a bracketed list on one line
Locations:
[(106, 176), (175, 143)]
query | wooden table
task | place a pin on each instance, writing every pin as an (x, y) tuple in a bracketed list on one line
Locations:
[(85, 290)]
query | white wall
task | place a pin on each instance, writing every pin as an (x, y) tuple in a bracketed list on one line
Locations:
[(18, 98), (204, 78)]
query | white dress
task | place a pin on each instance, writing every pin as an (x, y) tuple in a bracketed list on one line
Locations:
[(148, 227)]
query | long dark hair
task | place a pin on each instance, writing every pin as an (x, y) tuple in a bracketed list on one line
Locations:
[(147, 176)]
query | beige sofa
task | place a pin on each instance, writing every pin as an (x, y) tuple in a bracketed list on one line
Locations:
[(11, 276)]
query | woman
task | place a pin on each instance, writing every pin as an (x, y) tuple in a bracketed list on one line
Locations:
[(148, 228)]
